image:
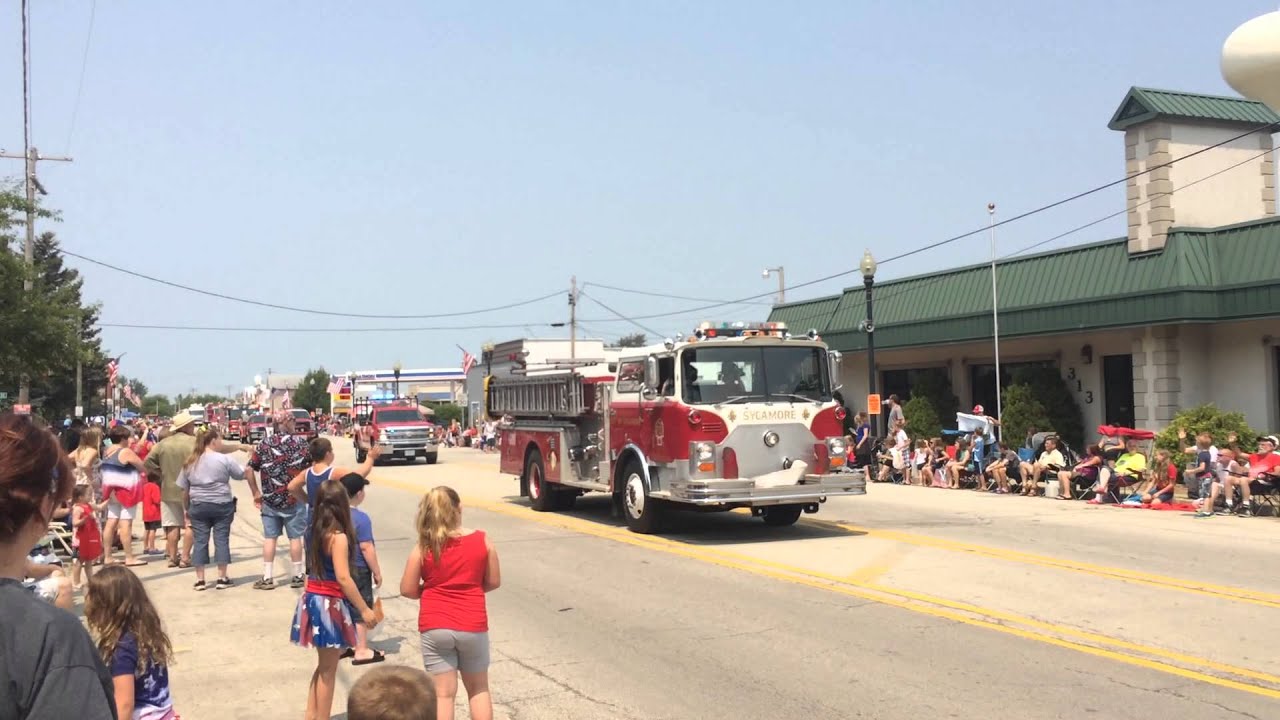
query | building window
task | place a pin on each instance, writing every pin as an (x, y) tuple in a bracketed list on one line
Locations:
[(982, 381), (899, 382)]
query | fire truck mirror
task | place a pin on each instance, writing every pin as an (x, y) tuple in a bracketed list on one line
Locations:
[(836, 360), (650, 387)]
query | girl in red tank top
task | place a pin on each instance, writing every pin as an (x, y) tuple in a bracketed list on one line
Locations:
[(448, 572)]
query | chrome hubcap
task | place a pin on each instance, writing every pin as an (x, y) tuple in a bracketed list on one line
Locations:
[(535, 482), (634, 496)]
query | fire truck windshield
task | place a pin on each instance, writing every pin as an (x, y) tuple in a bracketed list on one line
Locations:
[(713, 375)]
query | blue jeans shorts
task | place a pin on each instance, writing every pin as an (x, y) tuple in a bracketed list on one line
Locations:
[(292, 522)]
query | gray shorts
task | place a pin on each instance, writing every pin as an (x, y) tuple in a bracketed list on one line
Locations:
[(449, 650)]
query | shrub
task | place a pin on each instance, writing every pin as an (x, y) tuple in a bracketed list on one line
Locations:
[(1022, 411), (922, 419), (1207, 418), (935, 385), (1054, 395)]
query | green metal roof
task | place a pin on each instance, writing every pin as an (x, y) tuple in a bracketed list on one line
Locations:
[(1145, 104), (1201, 275)]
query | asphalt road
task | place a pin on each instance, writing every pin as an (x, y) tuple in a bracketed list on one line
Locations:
[(1055, 609), (907, 603)]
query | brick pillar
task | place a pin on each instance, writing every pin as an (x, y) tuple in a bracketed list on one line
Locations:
[(1157, 384)]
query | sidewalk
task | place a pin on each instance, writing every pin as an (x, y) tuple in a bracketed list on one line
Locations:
[(234, 659)]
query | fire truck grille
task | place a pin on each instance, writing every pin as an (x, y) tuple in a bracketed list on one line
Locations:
[(408, 434)]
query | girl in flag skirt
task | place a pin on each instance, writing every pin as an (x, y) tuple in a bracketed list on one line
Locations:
[(323, 619)]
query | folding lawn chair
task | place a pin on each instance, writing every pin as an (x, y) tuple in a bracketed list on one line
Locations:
[(1265, 490)]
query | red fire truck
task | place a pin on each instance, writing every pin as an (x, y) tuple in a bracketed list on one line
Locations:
[(738, 415)]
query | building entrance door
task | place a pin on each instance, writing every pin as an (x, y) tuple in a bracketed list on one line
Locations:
[(1117, 389)]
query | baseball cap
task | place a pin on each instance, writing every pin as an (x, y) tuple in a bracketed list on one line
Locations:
[(354, 483), (977, 410)]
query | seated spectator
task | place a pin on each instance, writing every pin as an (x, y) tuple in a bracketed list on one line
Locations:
[(1050, 460), (957, 466), (940, 455), (1007, 465), (1263, 472), (1129, 469), (1162, 480), (50, 584), (1219, 482), (1089, 470)]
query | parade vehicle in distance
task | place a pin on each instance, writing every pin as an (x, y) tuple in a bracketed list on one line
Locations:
[(237, 419), (257, 427), (304, 426), (200, 414), (737, 416), (402, 432)]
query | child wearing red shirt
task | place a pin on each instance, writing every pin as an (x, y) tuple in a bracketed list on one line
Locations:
[(151, 515)]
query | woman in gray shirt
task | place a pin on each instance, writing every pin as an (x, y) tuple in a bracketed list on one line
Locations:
[(206, 495)]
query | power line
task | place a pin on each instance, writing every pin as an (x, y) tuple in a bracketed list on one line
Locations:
[(310, 311), (205, 328), (665, 295), (84, 66), (620, 315), (954, 238)]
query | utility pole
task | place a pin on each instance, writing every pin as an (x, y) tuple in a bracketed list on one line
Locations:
[(30, 155), (573, 318)]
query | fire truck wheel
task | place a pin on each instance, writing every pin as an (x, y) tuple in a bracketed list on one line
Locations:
[(781, 515), (643, 513), (432, 458), (541, 497)]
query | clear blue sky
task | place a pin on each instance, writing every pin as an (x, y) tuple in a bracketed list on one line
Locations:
[(412, 158)]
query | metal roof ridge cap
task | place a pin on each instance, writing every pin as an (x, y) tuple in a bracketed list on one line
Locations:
[(821, 298), (1188, 93), (1199, 230)]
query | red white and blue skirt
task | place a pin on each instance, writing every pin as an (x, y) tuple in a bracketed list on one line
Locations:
[(323, 617)]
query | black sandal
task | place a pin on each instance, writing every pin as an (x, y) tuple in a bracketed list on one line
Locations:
[(378, 656), (348, 653)]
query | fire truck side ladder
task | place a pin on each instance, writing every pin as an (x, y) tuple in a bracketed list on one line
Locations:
[(559, 396)]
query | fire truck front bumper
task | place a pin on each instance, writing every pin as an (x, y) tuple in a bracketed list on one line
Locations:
[(811, 488)]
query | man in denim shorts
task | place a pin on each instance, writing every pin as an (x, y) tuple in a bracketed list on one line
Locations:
[(278, 457)]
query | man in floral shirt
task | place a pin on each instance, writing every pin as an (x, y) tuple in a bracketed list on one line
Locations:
[(278, 457)]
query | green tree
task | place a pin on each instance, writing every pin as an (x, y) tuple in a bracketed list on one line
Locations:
[(446, 413), (1054, 395), (633, 340), (313, 391), (922, 419), (1022, 411), (935, 384), (1206, 418), (158, 404)]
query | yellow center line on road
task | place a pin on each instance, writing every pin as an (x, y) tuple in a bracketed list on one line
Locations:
[(1189, 667)]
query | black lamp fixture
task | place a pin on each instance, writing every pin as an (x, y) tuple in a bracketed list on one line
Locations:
[(868, 268), (395, 370)]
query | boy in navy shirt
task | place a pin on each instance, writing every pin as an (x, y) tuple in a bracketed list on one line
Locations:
[(366, 572)]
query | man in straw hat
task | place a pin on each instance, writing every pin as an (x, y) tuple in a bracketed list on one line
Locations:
[(165, 461)]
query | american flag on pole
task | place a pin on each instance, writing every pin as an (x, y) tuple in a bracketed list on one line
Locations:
[(468, 361), (128, 395), (287, 402), (113, 369), (335, 386)]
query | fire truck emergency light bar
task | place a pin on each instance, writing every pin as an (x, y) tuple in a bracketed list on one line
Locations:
[(744, 329)]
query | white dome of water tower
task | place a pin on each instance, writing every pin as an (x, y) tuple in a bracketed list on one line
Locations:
[(1251, 60)]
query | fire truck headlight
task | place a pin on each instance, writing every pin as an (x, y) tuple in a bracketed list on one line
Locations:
[(836, 446), (771, 439), (704, 451), (382, 436)]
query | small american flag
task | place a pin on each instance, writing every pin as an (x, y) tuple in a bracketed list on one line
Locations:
[(468, 362), (130, 396)]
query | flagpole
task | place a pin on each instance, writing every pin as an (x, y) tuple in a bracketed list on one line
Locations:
[(995, 312)]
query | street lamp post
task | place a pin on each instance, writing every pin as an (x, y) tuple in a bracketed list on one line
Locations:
[(782, 281), (395, 370), (868, 268)]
